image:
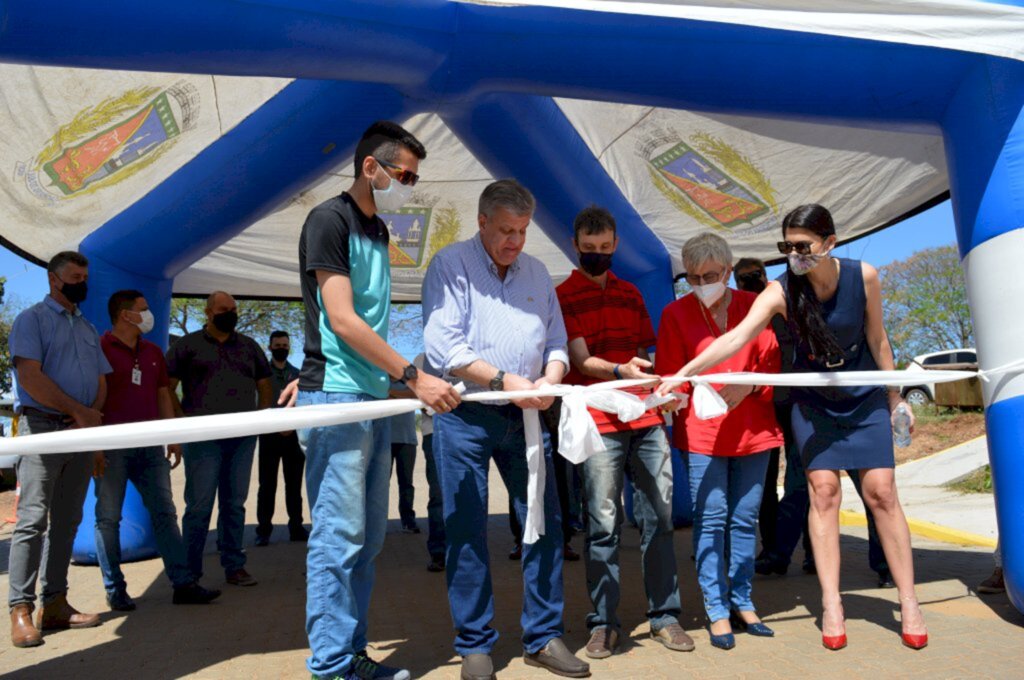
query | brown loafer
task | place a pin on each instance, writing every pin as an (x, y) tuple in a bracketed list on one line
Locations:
[(240, 577), (603, 642), (23, 633), (556, 658), (674, 637), (59, 615)]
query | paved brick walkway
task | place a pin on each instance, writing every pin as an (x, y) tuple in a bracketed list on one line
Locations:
[(258, 632)]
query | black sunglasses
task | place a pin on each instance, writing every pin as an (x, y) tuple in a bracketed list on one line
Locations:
[(801, 247), (751, 276), (406, 177)]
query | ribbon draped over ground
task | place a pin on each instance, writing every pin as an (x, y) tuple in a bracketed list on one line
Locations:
[(578, 436)]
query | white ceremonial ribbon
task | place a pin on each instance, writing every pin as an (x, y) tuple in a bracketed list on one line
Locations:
[(579, 437)]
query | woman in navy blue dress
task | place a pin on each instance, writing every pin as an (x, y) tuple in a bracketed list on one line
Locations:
[(834, 309)]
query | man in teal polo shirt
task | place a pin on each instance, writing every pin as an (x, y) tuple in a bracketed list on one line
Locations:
[(346, 287)]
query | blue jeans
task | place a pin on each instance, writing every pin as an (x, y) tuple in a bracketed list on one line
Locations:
[(348, 469), (646, 454), (726, 493), (149, 471), (216, 469), (465, 441), (435, 501)]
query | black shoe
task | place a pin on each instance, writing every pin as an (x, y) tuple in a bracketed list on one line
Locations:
[(298, 534), (767, 565), (570, 555), (262, 541), (410, 528), (120, 602), (194, 593), (516, 553), (436, 563), (885, 579)]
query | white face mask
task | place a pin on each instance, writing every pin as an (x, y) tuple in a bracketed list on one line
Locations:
[(146, 325), (393, 197), (709, 293)]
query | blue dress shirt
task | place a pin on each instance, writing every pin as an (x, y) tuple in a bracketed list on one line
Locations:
[(470, 313), (68, 347)]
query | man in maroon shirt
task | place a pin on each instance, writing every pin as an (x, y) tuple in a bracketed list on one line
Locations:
[(609, 334), (138, 390)]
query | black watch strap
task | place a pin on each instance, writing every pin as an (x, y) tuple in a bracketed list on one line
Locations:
[(497, 383), (410, 372)]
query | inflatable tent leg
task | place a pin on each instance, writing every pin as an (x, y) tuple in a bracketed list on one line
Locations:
[(984, 132)]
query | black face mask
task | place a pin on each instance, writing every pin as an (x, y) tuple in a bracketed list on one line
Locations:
[(595, 264), (225, 322), (751, 282), (75, 292), (280, 353)]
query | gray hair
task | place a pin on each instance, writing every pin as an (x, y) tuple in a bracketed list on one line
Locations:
[(64, 258), (508, 194), (704, 247)]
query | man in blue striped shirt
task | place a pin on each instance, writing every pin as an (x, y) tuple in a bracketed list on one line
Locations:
[(492, 319)]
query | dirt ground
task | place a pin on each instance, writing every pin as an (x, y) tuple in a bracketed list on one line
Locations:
[(937, 432)]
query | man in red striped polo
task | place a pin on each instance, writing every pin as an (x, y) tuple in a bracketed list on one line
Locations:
[(609, 334)]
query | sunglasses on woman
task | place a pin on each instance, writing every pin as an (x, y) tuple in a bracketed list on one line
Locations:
[(406, 177), (801, 247)]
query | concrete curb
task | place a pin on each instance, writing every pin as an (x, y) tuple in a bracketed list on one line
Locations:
[(924, 529)]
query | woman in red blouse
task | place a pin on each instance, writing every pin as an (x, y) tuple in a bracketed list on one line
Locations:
[(728, 455)]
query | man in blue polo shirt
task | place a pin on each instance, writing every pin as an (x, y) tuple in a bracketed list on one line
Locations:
[(346, 287), (60, 369)]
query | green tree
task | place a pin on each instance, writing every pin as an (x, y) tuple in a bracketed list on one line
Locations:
[(924, 301), (256, 318)]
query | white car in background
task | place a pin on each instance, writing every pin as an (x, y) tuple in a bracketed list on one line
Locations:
[(965, 359)]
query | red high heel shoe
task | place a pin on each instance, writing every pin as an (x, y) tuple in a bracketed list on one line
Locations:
[(836, 642), (915, 641)]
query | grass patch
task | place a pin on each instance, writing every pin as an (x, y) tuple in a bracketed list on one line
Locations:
[(979, 481)]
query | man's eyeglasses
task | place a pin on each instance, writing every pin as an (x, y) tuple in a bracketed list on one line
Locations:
[(801, 247), (406, 177), (698, 279)]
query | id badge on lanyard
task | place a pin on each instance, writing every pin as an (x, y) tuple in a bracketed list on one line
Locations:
[(136, 375)]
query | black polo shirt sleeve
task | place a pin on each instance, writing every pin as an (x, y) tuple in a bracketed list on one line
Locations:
[(262, 366), (327, 237)]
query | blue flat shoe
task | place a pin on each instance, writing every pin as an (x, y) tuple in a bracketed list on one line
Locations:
[(756, 629), (727, 641)]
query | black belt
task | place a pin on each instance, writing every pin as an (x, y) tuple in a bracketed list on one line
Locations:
[(32, 412)]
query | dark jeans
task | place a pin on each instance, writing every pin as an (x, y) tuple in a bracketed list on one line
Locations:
[(465, 442), (220, 470), (403, 457), (148, 469), (435, 501), (53, 489), (767, 517), (277, 450)]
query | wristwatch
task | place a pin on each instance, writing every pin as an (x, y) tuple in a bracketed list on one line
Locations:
[(497, 383), (409, 373)]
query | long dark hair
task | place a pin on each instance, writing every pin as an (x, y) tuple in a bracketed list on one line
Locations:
[(802, 305)]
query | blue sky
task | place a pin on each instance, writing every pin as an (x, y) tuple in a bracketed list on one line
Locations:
[(932, 228)]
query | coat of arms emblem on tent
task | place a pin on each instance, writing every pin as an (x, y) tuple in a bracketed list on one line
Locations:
[(408, 229), (106, 143), (706, 184)]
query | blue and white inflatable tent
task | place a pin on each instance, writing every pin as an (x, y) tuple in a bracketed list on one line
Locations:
[(179, 145)]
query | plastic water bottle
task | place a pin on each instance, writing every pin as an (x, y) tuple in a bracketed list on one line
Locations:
[(901, 426)]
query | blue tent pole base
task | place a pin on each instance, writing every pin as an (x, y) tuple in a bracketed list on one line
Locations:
[(138, 542)]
